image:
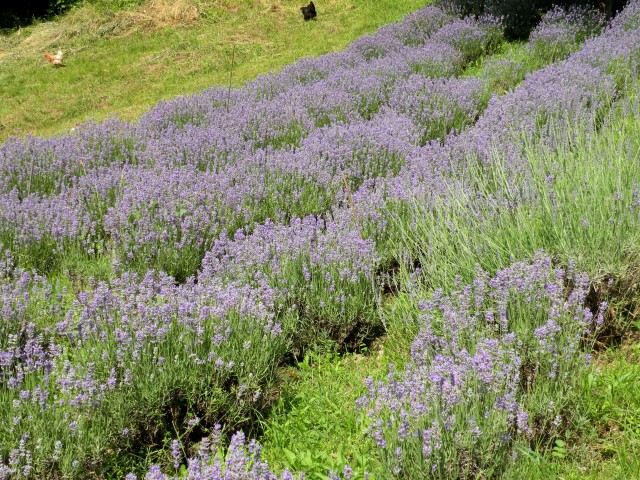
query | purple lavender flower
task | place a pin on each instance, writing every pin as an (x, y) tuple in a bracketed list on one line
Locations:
[(468, 362)]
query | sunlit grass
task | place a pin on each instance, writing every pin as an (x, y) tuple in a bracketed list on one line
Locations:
[(107, 75)]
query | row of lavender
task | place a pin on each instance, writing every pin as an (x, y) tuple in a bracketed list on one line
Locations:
[(109, 377), (490, 354), (550, 104), (471, 389)]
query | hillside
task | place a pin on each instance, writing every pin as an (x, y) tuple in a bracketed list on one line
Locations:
[(122, 61), (415, 257)]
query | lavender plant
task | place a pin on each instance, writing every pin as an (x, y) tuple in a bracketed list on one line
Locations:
[(318, 267), (241, 141), (472, 38), (482, 354), (561, 32), (417, 28), (242, 460), (440, 107), (125, 363)]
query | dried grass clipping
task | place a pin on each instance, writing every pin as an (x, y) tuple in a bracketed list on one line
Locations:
[(163, 13), (73, 31)]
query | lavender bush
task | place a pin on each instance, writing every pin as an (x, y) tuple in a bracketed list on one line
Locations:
[(544, 109), (125, 362), (561, 32), (45, 166), (242, 461), (241, 141), (322, 268), (418, 27), (482, 357), (437, 107), (472, 38)]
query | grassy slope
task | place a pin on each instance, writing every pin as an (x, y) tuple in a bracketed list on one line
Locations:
[(107, 74)]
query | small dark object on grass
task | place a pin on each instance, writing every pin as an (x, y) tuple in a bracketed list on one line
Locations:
[(309, 11)]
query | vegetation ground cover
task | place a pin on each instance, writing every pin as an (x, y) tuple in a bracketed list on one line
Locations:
[(471, 200)]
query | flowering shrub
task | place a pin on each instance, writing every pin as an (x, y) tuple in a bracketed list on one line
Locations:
[(123, 359), (242, 461), (321, 268), (159, 192), (438, 107), (471, 38), (480, 356), (561, 32)]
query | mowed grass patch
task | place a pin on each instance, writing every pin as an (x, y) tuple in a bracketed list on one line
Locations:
[(111, 68)]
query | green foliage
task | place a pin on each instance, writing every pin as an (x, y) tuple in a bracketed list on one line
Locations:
[(315, 427), (112, 5), (611, 392), (604, 438), (507, 68), (57, 7)]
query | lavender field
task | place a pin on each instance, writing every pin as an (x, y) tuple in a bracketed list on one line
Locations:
[(156, 276)]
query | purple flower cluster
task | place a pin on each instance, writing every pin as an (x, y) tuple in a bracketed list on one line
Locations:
[(437, 107), (478, 354), (168, 217), (569, 93), (321, 267), (615, 52), (46, 165), (561, 31), (243, 461), (471, 38)]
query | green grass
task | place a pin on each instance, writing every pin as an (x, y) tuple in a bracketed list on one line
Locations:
[(315, 426), (604, 442), (107, 74), (610, 444)]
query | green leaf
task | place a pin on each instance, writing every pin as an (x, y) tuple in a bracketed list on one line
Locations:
[(290, 455)]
